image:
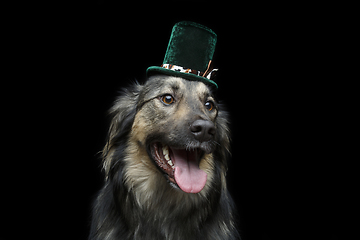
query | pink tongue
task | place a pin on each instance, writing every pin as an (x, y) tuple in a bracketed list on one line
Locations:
[(189, 177)]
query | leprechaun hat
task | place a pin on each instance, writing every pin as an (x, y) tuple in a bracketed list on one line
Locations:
[(189, 54)]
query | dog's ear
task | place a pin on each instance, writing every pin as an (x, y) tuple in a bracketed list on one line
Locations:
[(122, 113), (223, 134)]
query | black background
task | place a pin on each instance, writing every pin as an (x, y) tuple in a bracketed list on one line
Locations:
[(273, 76)]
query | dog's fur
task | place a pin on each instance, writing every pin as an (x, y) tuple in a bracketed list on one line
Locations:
[(138, 201)]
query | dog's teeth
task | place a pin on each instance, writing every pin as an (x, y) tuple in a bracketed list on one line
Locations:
[(171, 164), (165, 150)]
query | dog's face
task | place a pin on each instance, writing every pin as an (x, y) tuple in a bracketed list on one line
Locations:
[(175, 131), (177, 125)]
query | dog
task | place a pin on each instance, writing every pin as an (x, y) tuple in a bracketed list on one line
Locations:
[(165, 165)]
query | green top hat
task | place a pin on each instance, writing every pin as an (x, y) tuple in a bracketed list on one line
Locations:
[(189, 53)]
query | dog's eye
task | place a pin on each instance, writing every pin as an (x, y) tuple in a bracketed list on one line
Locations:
[(209, 105), (167, 99)]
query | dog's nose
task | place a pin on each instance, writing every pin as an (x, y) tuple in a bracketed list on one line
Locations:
[(203, 130)]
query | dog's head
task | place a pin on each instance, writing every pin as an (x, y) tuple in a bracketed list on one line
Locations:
[(173, 128)]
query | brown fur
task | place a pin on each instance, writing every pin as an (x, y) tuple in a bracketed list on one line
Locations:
[(137, 201)]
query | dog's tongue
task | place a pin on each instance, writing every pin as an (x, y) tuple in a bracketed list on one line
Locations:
[(189, 177)]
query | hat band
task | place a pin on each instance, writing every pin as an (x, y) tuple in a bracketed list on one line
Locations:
[(209, 74)]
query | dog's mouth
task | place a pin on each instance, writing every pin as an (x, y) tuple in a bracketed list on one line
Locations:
[(181, 166)]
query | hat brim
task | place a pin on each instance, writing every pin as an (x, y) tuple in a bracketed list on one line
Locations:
[(189, 76)]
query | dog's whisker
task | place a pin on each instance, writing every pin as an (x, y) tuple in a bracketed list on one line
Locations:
[(215, 142)]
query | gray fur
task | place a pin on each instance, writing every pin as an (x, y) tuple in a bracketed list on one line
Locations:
[(137, 201)]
